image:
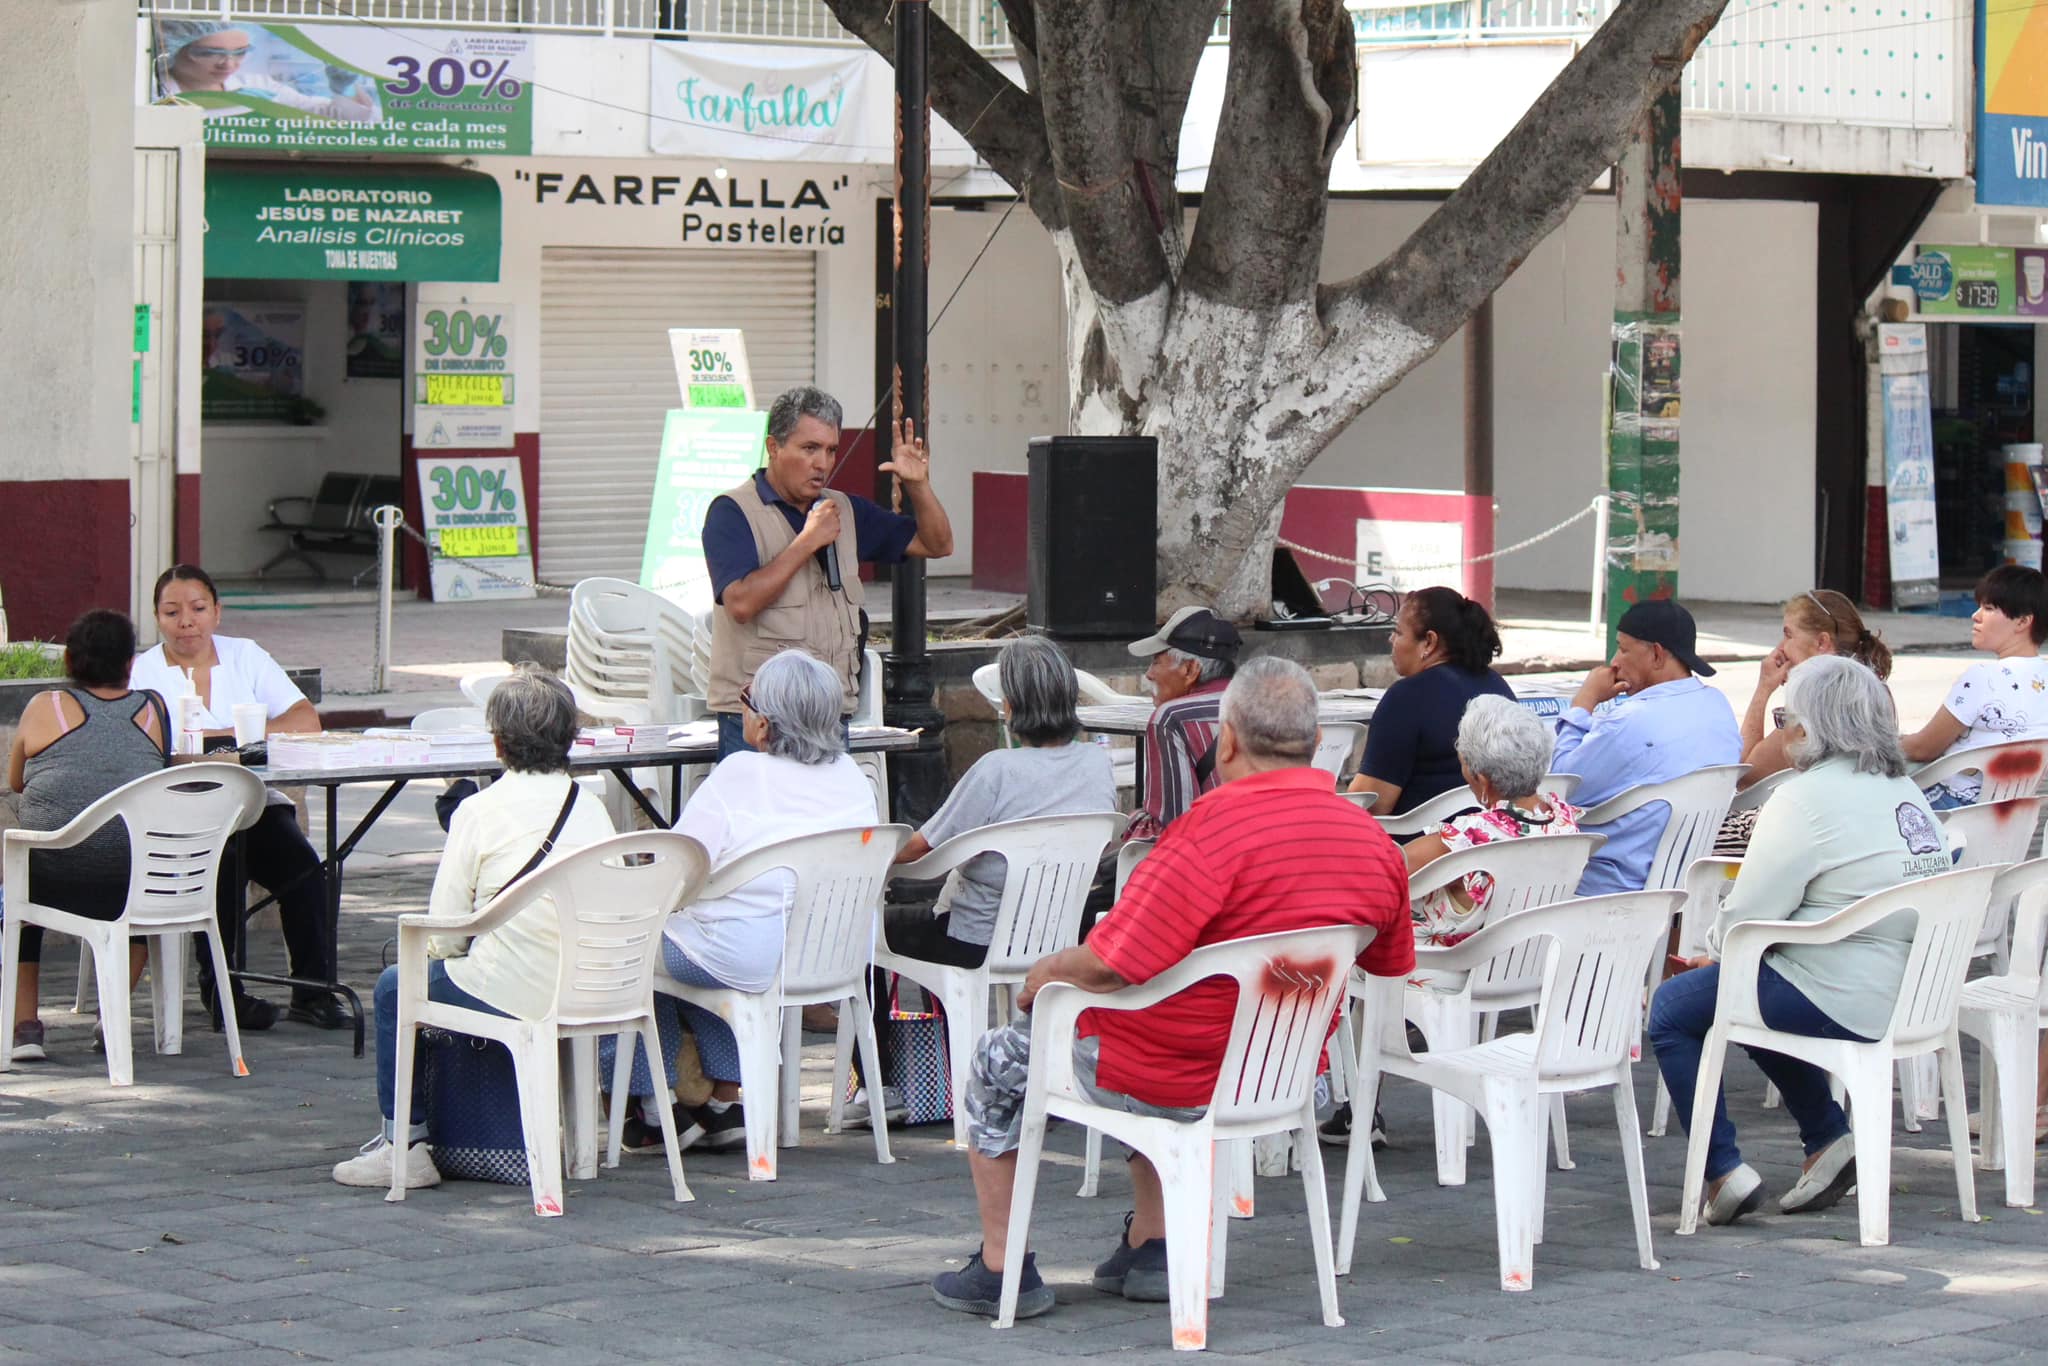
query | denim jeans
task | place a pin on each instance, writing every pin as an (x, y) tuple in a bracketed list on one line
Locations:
[(440, 987), (1683, 1012)]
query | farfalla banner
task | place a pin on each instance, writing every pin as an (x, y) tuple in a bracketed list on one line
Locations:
[(753, 102)]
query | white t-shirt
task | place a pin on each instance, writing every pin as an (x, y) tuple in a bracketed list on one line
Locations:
[(2000, 699), (246, 673), (751, 800)]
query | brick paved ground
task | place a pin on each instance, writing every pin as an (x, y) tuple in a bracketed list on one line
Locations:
[(192, 1216)]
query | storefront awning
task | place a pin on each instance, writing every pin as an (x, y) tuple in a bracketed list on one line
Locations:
[(310, 222)]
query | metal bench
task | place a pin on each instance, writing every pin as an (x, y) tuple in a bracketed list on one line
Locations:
[(334, 521)]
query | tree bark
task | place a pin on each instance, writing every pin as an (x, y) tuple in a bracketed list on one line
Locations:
[(1240, 364)]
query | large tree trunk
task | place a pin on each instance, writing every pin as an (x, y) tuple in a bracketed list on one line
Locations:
[(1222, 343)]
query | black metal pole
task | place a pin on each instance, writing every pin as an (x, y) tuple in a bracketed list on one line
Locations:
[(917, 779)]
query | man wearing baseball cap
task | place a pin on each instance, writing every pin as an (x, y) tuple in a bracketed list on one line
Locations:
[(1666, 725), (1193, 656)]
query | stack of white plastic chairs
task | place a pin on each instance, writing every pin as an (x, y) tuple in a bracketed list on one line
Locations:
[(632, 657)]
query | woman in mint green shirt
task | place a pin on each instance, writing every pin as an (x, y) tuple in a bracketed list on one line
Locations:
[(1850, 824)]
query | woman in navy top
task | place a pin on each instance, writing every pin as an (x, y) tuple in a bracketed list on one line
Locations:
[(1444, 646)]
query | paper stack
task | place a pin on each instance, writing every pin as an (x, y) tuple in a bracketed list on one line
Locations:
[(321, 750), (443, 748), (642, 738), (599, 740)]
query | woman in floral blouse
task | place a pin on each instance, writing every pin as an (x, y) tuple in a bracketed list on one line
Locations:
[(1504, 750)]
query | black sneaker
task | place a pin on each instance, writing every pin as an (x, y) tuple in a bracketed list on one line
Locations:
[(974, 1289), (316, 1008), (1136, 1273), (251, 1012), (719, 1130), (638, 1136), (1336, 1130)]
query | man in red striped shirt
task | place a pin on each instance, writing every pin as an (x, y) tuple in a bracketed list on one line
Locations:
[(1274, 848)]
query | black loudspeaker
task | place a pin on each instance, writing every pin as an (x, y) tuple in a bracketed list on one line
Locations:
[(1093, 557)]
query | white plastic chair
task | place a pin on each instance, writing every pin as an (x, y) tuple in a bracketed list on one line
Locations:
[(1528, 872), (479, 685), (1759, 792), (1444, 805), (1049, 864), (1589, 957), (1364, 801), (1335, 745), (610, 900), (1696, 805), (868, 712), (834, 915), (2005, 1015), (178, 823), (1984, 834), (444, 720), (1707, 884), (1949, 909), (1288, 987), (2010, 768)]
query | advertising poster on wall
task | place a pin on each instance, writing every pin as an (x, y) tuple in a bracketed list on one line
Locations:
[(2031, 282), (373, 223), (704, 452), (711, 367), (376, 331), (1909, 464), (349, 88), (1961, 281), (741, 101), (462, 376), (2012, 113), (478, 543), (255, 363)]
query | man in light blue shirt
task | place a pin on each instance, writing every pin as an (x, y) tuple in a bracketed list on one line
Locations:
[(1667, 725)]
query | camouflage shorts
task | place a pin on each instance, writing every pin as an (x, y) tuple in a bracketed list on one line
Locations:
[(996, 1083)]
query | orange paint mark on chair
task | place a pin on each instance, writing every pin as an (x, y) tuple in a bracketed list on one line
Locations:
[(867, 837), (1193, 1339), (1515, 1280), (2014, 766), (548, 1207), (1243, 1206), (241, 1068), (765, 1166)]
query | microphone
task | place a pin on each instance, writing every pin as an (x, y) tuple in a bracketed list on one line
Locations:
[(831, 554)]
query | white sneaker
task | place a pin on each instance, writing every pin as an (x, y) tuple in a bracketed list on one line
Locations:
[(893, 1108), (372, 1166)]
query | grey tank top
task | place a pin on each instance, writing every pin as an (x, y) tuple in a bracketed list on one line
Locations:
[(86, 763)]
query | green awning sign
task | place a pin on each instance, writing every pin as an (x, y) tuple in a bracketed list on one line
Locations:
[(313, 223)]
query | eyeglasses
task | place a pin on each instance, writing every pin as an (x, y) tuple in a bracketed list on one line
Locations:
[(747, 698), (218, 54)]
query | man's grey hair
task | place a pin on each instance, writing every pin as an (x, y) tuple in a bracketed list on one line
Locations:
[(800, 696), (793, 405), (533, 714), (1040, 685), (1847, 713), (1505, 743), (1211, 669), (1271, 706)]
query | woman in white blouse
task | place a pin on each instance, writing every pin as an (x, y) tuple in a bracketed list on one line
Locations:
[(224, 672)]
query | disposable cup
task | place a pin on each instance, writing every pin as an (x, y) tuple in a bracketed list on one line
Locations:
[(250, 720)]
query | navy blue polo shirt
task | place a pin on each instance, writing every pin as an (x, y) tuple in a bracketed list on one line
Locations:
[(880, 536)]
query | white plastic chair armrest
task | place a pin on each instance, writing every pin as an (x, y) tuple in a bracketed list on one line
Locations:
[(1743, 949), (2029, 927), (969, 844), (1620, 804), (1706, 876)]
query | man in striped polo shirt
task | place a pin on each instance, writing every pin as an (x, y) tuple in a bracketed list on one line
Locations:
[(1273, 848), (1192, 657)]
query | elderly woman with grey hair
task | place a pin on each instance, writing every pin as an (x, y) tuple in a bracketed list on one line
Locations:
[(797, 779), (1504, 751), (1850, 824), (531, 816), (1052, 772)]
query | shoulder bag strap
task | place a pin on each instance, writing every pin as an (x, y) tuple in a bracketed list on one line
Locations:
[(547, 845)]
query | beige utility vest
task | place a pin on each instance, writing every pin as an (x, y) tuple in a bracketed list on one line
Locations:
[(808, 616)]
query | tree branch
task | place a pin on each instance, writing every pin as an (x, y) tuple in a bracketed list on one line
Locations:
[(1432, 283), (1292, 93), (1003, 123)]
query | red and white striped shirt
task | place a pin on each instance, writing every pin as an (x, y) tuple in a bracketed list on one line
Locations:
[(1178, 736), (1272, 851)]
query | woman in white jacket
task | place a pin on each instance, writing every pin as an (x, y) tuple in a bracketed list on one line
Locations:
[(195, 56)]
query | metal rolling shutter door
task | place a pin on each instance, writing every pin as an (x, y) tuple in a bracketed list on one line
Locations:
[(608, 378)]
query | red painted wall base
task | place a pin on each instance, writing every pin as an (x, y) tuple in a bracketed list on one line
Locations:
[(63, 549)]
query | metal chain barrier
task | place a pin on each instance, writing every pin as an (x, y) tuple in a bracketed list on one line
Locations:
[(1580, 515)]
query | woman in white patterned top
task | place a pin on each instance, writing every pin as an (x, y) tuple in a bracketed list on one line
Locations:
[(2005, 698), (1504, 750)]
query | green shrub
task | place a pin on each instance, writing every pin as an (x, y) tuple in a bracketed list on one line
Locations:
[(29, 659)]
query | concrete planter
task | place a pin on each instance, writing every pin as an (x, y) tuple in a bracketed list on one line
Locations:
[(15, 693)]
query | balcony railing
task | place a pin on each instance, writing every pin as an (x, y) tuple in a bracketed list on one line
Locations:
[(1884, 65)]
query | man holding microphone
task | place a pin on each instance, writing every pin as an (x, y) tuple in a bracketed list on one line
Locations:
[(784, 553)]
